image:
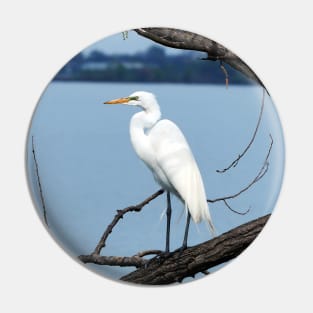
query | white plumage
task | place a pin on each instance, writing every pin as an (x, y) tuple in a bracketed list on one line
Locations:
[(164, 149), (176, 162)]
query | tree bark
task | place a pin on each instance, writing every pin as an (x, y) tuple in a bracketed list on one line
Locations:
[(199, 258), (181, 39)]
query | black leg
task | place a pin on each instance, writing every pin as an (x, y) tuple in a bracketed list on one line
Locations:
[(168, 224), (163, 256), (184, 246)]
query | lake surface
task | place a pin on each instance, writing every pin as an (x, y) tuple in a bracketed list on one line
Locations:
[(88, 168)]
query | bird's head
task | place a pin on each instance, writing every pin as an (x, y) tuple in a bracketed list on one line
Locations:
[(143, 99)]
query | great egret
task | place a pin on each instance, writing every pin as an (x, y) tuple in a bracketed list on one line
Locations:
[(161, 145)]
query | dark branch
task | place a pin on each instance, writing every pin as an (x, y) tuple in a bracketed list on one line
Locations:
[(119, 215), (181, 39), (235, 162), (259, 175), (235, 211), (180, 265), (39, 183), (199, 258), (135, 260)]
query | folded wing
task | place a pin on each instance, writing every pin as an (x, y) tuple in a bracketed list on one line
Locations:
[(176, 161)]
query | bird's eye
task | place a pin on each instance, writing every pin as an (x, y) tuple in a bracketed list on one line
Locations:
[(136, 98)]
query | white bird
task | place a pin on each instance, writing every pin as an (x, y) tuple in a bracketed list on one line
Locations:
[(161, 145)]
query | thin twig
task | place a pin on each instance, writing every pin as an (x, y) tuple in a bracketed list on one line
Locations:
[(119, 215), (39, 183), (225, 73), (125, 35), (235, 162), (259, 175), (235, 211)]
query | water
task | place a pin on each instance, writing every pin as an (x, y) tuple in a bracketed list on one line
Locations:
[(88, 168)]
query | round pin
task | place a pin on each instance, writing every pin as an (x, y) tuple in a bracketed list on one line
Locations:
[(155, 156)]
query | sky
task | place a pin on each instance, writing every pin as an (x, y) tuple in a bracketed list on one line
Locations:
[(133, 43)]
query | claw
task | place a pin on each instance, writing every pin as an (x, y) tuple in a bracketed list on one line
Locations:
[(181, 249)]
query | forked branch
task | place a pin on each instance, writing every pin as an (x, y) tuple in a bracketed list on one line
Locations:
[(122, 261), (235, 162), (259, 175), (191, 261), (120, 214), (199, 258)]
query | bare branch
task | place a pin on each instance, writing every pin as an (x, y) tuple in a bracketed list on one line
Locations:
[(235, 211), (39, 183), (263, 170), (179, 265), (136, 261), (181, 39), (199, 258), (235, 162), (119, 215)]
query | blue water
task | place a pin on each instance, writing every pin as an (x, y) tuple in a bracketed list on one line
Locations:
[(88, 168)]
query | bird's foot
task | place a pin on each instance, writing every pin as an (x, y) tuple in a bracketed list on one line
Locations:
[(181, 249), (164, 255), (160, 257)]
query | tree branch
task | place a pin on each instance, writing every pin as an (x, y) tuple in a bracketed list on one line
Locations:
[(259, 175), (39, 183), (179, 265), (181, 39), (235, 162), (135, 260), (199, 258), (119, 215), (235, 211)]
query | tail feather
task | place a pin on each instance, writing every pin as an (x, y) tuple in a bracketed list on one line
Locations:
[(196, 199)]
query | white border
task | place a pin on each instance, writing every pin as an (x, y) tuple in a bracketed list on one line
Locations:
[(39, 37)]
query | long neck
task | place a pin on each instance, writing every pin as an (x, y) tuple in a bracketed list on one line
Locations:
[(140, 123)]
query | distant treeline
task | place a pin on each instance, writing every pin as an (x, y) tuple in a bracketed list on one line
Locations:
[(153, 65)]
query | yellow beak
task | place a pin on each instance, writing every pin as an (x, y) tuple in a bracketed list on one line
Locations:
[(117, 101)]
